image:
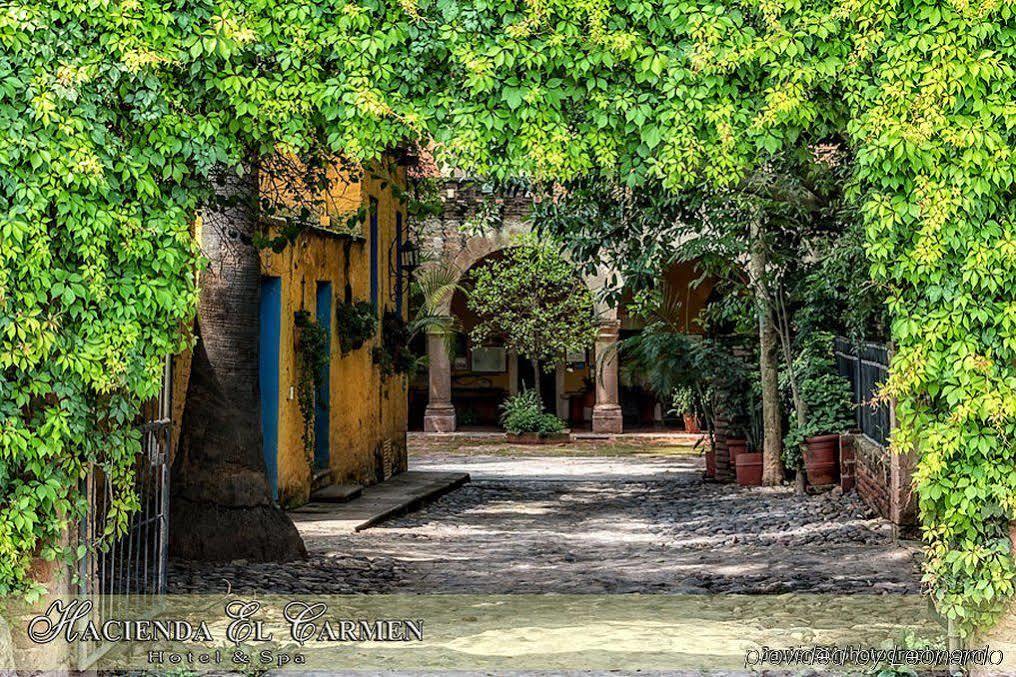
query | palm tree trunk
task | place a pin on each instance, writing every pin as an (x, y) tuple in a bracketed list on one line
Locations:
[(220, 501)]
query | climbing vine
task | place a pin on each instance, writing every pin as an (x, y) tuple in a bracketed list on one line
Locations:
[(696, 95), (115, 116), (356, 323), (312, 361), (116, 113)]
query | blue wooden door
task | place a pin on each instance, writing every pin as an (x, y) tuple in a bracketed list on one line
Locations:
[(321, 403), (270, 326), (374, 262)]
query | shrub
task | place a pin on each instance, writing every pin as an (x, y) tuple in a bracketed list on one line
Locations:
[(356, 323), (523, 413), (829, 402)]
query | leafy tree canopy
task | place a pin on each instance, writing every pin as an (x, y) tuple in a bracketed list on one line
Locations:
[(533, 301), (116, 112)]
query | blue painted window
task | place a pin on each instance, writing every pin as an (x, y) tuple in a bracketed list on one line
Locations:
[(374, 272), (322, 406), (269, 331), (398, 263)]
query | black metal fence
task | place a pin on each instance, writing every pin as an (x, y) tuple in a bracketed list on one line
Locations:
[(131, 568), (866, 366)]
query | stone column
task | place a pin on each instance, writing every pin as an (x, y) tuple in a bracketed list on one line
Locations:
[(562, 402), (439, 416), (607, 411), (513, 373)]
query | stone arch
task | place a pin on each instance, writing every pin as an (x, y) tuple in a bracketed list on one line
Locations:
[(478, 247), (462, 254)]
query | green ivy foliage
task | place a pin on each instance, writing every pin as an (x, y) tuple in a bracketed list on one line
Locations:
[(116, 112), (114, 115), (312, 369), (356, 323), (697, 94)]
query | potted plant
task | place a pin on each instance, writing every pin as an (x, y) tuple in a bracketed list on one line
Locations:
[(686, 403), (525, 422), (748, 468), (828, 400)]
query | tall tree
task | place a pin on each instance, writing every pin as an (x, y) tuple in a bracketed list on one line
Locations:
[(534, 302), (219, 487)]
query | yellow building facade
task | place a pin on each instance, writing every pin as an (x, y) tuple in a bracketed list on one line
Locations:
[(359, 432), (350, 253)]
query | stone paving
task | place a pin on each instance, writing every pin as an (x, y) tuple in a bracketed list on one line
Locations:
[(594, 517)]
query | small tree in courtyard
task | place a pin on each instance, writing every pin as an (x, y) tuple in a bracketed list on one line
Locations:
[(533, 300)]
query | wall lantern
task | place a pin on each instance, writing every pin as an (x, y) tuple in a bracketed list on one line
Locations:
[(409, 256)]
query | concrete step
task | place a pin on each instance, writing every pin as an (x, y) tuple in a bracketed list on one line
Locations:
[(337, 493), (403, 493), (321, 479)]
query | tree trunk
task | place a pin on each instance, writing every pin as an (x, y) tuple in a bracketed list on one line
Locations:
[(772, 421), (772, 462), (220, 502), (536, 380)]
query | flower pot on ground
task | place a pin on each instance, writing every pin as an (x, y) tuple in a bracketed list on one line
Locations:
[(525, 421), (687, 403), (691, 424), (749, 469), (736, 446), (822, 460), (815, 442), (710, 463)]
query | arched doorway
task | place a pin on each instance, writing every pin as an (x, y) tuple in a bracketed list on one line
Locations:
[(685, 292), (467, 382)]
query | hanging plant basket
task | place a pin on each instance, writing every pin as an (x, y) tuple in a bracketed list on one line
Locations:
[(356, 323)]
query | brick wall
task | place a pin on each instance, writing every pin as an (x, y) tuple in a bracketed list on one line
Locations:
[(883, 481), (465, 202), (871, 472), (724, 472)]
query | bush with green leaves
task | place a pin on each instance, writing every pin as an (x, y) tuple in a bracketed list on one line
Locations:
[(830, 411), (312, 372), (356, 323), (523, 413)]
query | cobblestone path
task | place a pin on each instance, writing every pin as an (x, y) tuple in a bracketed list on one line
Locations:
[(590, 523)]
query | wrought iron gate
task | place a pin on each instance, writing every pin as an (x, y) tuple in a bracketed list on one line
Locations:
[(116, 572), (866, 366)]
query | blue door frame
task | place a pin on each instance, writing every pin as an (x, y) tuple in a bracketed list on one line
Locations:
[(269, 333), (398, 263), (322, 452), (374, 263)]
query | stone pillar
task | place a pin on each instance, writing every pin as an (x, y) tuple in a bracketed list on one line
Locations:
[(513, 373), (562, 402), (439, 416), (607, 411)]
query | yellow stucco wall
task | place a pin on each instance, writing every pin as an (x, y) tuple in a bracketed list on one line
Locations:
[(367, 426)]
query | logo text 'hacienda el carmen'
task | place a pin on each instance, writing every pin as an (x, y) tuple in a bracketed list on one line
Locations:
[(72, 622)]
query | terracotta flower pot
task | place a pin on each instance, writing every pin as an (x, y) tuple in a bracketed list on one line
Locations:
[(821, 460), (711, 463), (736, 446), (691, 424), (749, 469)]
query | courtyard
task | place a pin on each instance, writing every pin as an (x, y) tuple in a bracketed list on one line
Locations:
[(629, 514)]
